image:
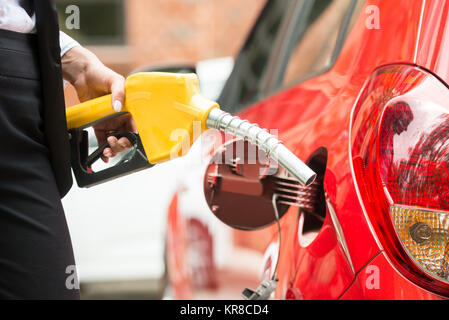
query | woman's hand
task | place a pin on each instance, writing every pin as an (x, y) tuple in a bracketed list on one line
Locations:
[(92, 79)]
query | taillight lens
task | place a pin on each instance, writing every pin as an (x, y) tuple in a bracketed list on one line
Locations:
[(400, 155), (424, 233)]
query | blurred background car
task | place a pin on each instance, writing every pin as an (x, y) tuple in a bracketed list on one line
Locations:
[(119, 239)]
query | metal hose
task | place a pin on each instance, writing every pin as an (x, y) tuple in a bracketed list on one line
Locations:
[(274, 149)]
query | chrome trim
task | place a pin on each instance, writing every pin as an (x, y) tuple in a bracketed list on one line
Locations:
[(274, 149)]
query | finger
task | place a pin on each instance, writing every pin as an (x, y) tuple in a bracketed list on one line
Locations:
[(108, 153), (112, 141), (104, 158), (125, 143), (118, 92), (117, 146)]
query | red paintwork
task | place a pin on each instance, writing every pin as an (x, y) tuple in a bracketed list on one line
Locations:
[(317, 114), (328, 271), (391, 284), (176, 257)]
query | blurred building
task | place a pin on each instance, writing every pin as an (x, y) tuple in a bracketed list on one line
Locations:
[(127, 34)]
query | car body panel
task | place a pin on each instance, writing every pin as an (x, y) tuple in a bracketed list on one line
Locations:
[(433, 48), (324, 261), (378, 280)]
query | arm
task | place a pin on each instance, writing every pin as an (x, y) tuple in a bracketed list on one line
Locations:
[(91, 79)]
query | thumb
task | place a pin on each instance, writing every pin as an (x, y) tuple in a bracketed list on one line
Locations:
[(118, 92)]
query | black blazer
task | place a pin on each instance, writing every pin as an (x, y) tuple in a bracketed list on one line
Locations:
[(55, 125)]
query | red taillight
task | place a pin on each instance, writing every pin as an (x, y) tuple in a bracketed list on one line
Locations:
[(400, 154)]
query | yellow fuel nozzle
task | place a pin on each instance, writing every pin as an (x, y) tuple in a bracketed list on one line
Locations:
[(165, 107), (161, 104)]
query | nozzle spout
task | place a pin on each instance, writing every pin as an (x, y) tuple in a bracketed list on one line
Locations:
[(225, 122)]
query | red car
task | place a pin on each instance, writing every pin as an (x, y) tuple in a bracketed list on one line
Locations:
[(359, 90)]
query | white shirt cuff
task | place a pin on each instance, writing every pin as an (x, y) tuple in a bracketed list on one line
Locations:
[(66, 43)]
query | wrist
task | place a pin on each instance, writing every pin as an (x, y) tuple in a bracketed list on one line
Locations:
[(76, 62)]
